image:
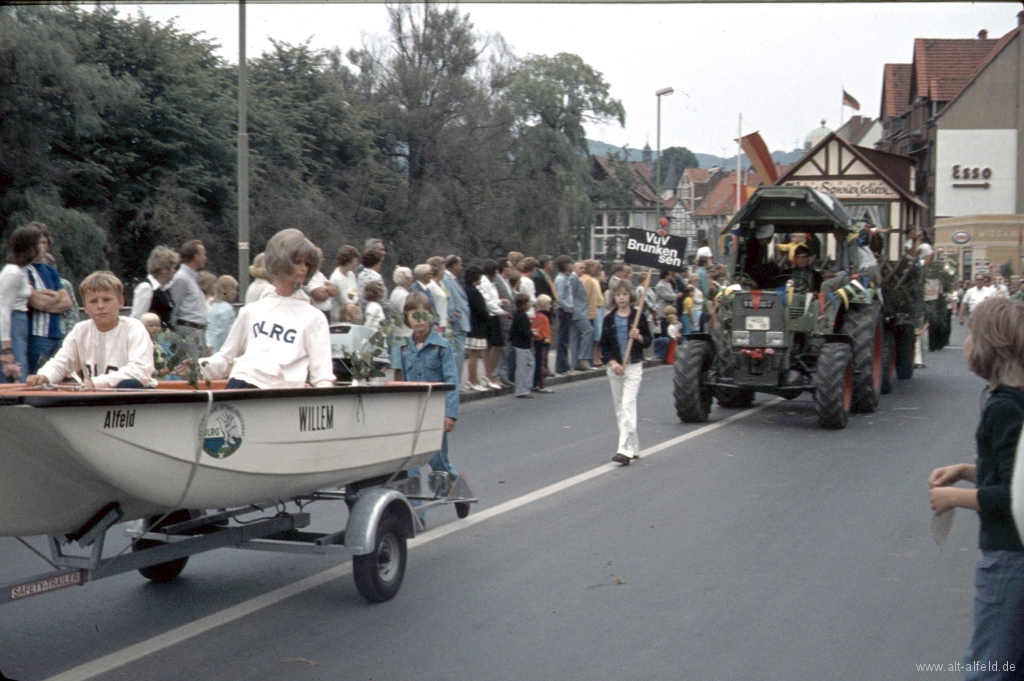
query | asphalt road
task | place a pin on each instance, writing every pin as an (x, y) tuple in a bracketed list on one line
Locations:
[(761, 549)]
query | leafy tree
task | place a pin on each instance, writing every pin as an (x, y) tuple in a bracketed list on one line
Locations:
[(552, 98), (681, 156), (171, 152), (50, 101), (312, 145), (443, 129)]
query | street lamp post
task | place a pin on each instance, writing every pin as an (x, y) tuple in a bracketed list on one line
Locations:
[(657, 159)]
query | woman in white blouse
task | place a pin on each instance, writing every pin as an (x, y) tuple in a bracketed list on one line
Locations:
[(15, 292)]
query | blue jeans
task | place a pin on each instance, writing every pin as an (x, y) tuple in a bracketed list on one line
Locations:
[(661, 344), (19, 345), (41, 349), (540, 363), (581, 344), (438, 463), (562, 348), (998, 638)]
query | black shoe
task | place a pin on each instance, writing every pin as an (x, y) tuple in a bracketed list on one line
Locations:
[(621, 458)]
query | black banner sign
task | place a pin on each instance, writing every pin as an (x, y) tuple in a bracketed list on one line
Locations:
[(647, 249)]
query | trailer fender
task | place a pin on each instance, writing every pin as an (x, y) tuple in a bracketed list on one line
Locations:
[(361, 532)]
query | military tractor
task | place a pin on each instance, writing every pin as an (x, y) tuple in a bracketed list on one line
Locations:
[(780, 332)]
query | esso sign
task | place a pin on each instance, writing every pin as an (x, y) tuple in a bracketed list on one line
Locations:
[(961, 238)]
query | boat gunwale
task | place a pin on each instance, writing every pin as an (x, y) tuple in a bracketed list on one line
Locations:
[(50, 399)]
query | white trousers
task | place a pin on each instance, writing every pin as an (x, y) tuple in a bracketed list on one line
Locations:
[(624, 392), (920, 348)]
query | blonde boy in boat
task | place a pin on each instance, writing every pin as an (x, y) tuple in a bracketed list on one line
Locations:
[(279, 341), (106, 350)]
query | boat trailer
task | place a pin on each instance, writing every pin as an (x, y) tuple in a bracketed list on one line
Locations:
[(383, 515)]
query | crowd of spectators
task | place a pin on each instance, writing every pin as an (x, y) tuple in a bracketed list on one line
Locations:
[(476, 306)]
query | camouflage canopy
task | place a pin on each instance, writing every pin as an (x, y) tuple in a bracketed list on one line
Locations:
[(791, 209)]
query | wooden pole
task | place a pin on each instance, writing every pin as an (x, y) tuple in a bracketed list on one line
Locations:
[(636, 319)]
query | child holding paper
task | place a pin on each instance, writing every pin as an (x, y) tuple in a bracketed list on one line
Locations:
[(994, 349)]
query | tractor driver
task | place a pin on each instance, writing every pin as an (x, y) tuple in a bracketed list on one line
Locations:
[(805, 278)]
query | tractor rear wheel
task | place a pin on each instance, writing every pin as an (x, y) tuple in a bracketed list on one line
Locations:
[(833, 394)]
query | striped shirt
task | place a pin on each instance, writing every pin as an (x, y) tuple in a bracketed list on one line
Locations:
[(44, 277), (189, 300)]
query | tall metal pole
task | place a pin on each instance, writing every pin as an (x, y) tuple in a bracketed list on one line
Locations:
[(657, 159), (657, 162), (243, 158)]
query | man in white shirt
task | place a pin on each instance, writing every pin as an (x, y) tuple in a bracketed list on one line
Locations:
[(320, 290), (973, 296), (438, 293), (344, 277), (705, 251)]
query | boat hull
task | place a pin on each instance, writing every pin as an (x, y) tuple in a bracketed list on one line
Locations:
[(66, 456)]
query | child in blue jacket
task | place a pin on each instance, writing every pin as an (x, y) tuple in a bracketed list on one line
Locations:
[(428, 357)]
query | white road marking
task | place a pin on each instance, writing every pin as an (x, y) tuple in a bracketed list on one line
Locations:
[(167, 639)]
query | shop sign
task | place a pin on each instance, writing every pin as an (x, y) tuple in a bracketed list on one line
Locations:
[(960, 238), (976, 172), (849, 189)]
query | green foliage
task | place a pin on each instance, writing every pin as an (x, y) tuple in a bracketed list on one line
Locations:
[(171, 353), (120, 133), (365, 362), (78, 241), (683, 158)]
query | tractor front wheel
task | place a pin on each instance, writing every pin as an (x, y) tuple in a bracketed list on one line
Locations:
[(693, 398), (833, 394)]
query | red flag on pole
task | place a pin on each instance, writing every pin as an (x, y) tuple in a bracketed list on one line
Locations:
[(757, 151), (849, 101)]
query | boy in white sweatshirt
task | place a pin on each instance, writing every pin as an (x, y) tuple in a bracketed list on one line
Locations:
[(106, 350), (279, 341)]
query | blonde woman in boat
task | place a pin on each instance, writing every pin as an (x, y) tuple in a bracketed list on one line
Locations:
[(280, 340)]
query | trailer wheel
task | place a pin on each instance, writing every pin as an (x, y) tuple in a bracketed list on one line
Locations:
[(378, 575), (163, 572), (462, 509)]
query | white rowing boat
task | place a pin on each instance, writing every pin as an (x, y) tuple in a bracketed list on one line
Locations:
[(67, 454)]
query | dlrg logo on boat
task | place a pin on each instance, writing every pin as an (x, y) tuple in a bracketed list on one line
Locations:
[(222, 431)]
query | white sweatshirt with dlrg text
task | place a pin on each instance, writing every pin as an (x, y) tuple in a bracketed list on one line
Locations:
[(276, 342)]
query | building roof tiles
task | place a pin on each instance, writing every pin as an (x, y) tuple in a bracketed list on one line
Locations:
[(896, 89), (942, 67)]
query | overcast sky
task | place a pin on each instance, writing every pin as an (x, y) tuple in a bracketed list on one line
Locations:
[(783, 66)]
